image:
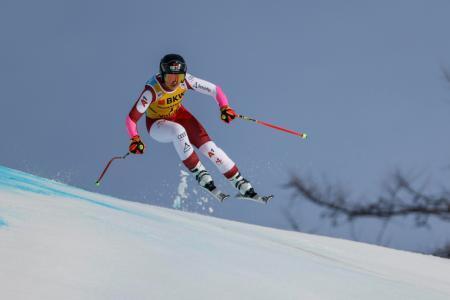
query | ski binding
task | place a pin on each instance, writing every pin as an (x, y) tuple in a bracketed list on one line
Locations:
[(218, 194), (257, 198)]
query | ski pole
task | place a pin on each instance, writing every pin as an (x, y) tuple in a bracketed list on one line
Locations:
[(97, 183), (299, 134)]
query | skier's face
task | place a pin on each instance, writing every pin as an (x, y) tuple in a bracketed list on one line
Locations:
[(173, 80)]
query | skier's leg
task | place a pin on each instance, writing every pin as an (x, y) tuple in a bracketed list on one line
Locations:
[(227, 167), (165, 131), (200, 139), (219, 158)]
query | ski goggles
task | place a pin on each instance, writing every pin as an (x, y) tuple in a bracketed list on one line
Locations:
[(180, 77), (174, 67)]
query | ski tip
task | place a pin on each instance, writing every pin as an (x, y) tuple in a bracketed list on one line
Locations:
[(97, 183)]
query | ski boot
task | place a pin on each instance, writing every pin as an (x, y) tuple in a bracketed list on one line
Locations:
[(246, 190), (205, 180)]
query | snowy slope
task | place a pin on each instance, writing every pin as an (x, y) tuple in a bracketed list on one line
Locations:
[(60, 242)]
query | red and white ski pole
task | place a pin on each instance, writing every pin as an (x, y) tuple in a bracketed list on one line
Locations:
[(97, 183), (299, 134)]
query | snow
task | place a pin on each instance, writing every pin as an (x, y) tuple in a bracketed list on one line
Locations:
[(181, 200), (60, 242), (182, 190)]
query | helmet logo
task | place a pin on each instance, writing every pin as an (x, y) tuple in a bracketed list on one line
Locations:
[(176, 67)]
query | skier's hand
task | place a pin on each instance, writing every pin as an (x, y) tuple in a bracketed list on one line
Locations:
[(227, 114), (136, 145)]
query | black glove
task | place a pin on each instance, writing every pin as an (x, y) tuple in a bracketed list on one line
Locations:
[(136, 145)]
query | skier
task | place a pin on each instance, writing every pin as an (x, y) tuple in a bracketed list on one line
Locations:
[(168, 121)]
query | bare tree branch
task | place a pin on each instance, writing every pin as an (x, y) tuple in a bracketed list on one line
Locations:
[(287, 212), (400, 198), (443, 252), (382, 231)]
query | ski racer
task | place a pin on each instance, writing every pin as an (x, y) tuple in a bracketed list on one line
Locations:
[(168, 121)]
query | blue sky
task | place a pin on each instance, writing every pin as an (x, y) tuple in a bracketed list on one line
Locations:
[(362, 78)]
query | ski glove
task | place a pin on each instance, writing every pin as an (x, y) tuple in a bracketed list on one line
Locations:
[(136, 145), (227, 114)]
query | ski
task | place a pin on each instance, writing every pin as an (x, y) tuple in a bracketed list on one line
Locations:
[(218, 194), (257, 198)]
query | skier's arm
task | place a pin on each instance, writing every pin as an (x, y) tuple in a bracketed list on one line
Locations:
[(207, 88), (227, 114), (147, 96)]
